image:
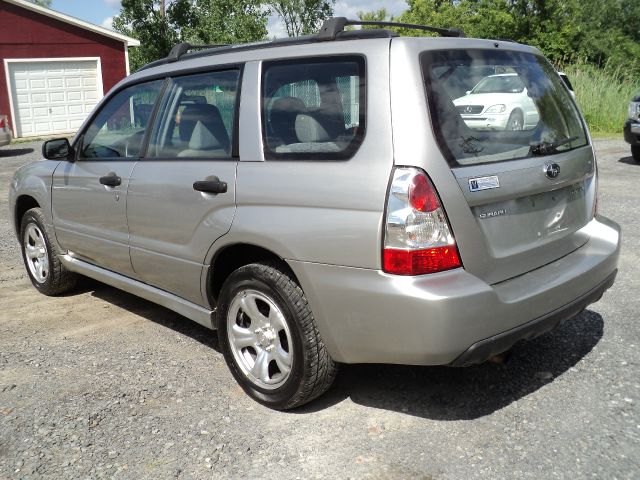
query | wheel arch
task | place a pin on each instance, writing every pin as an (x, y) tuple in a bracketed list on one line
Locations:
[(233, 256), (24, 203), (517, 108)]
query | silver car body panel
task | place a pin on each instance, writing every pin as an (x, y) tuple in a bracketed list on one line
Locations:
[(195, 312), (90, 219), (172, 226), (290, 207), (367, 316), (34, 181)]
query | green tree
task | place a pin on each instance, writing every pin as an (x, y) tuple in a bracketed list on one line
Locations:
[(381, 15), (605, 33), (160, 24), (608, 35), (229, 21), (477, 18), (156, 25), (302, 17), (547, 24)]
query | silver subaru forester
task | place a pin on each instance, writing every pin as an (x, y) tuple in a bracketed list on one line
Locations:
[(346, 197)]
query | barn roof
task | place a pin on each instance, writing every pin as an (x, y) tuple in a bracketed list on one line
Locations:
[(130, 42)]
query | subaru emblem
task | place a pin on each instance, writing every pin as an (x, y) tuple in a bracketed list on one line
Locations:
[(551, 170)]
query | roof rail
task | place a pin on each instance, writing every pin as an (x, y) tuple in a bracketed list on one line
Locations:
[(332, 29), (333, 26), (181, 48)]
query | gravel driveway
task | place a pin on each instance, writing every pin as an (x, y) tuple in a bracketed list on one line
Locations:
[(99, 383)]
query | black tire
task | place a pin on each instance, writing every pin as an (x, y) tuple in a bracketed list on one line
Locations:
[(57, 279), (516, 121), (635, 153), (312, 370)]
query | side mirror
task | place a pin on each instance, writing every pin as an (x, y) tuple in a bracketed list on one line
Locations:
[(57, 149), (467, 92)]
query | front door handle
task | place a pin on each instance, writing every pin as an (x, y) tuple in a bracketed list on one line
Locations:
[(111, 180), (214, 186)]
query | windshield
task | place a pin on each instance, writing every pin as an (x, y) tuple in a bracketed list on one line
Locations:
[(499, 84), (524, 111)]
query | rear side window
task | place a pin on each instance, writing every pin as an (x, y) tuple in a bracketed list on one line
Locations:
[(118, 129), (489, 106), (197, 118), (313, 109)]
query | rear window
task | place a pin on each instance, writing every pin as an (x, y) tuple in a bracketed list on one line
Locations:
[(491, 106)]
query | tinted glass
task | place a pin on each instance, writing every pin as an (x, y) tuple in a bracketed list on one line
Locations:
[(313, 109), (489, 106), (118, 129), (197, 119)]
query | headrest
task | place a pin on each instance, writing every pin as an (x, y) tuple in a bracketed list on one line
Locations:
[(290, 105), (308, 129), (203, 139), (210, 119)]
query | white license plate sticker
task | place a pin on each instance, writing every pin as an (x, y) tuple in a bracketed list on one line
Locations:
[(483, 183)]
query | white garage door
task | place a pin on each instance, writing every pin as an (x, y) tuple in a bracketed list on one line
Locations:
[(52, 97)]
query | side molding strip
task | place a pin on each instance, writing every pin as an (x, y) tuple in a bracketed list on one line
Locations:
[(179, 305)]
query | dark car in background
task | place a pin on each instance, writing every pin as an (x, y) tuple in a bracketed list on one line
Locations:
[(632, 128), (5, 133)]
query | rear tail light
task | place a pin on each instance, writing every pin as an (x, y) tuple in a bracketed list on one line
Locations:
[(3, 121), (417, 237)]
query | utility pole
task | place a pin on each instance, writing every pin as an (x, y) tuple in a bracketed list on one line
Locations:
[(163, 25)]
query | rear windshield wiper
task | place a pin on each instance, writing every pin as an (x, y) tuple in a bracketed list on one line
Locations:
[(545, 148)]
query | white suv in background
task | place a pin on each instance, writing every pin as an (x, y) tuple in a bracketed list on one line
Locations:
[(498, 102)]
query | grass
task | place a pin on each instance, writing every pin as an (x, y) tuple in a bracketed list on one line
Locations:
[(603, 96)]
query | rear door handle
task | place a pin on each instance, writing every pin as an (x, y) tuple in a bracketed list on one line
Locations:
[(214, 186), (111, 180)]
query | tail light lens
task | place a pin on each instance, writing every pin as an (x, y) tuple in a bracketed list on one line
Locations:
[(3, 121), (417, 237)]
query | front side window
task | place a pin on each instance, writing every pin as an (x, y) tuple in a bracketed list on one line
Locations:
[(118, 129), (490, 106), (313, 109), (197, 119)]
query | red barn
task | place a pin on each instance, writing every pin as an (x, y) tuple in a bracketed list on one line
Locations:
[(55, 67)]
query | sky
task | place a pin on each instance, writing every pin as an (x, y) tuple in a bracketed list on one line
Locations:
[(101, 12)]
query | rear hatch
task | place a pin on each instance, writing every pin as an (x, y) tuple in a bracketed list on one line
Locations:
[(528, 185)]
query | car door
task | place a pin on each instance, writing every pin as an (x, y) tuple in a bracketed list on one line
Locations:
[(89, 194), (181, 195)]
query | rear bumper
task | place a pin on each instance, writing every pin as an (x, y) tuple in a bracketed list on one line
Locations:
[(488, 121), (632, 132), (487, 348), (453, 317)]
